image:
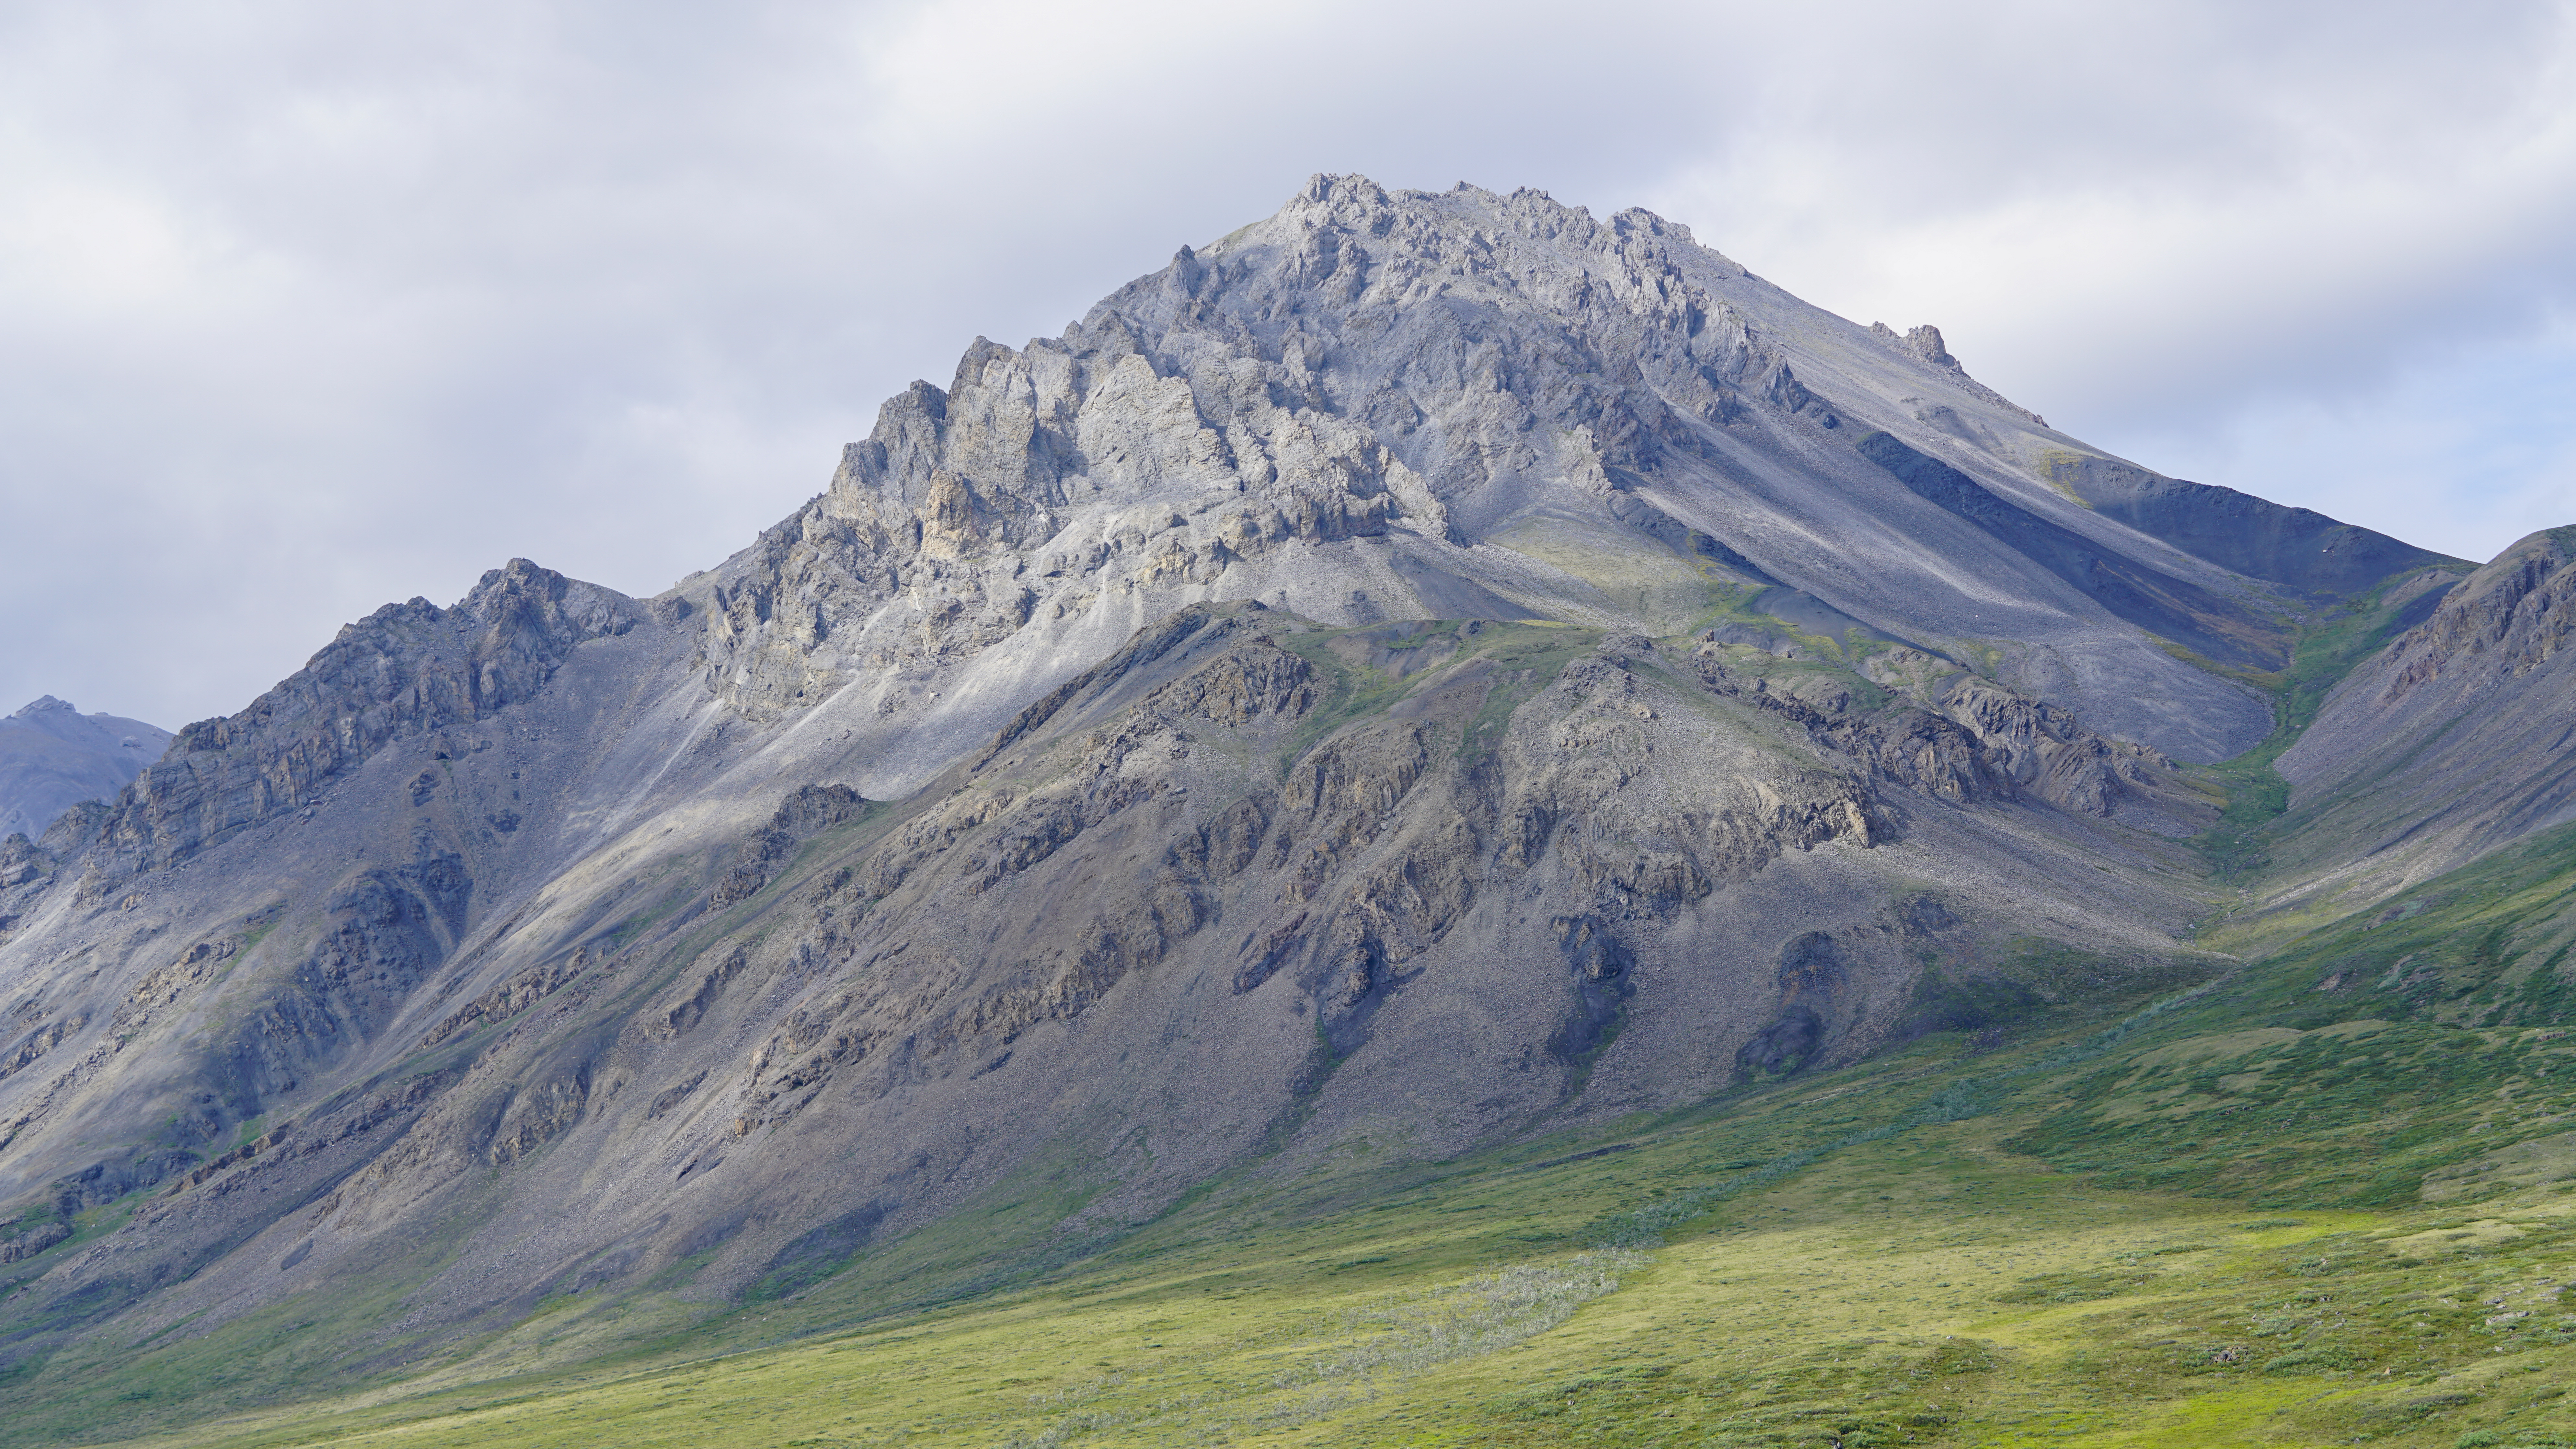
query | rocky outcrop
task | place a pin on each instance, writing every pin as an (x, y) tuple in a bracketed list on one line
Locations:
[(985, 849), (35, 1240), (943, 532), (386, 931), (2502, 623), (1963, 738), (2046, 750), (811, 808), (26, 869), (1812, 979), (40, 1039), (1927, 343), (405, 670)]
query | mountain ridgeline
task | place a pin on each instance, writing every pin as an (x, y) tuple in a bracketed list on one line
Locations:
[(1420, 671)]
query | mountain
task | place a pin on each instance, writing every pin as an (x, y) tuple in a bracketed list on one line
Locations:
[(52, 757), (2452, 741), (1420, 673)]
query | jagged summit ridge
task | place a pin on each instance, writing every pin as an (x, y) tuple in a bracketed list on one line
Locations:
[(1455, 374)]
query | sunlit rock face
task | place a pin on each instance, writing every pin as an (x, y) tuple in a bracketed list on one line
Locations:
[(1473, 381), (1415, 670)]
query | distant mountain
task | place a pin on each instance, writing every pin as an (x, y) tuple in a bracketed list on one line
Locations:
[(1423, 669), (52, 757)]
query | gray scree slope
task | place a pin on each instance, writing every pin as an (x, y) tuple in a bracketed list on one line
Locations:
[(1086, 775)]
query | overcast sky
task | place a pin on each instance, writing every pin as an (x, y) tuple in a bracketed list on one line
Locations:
[(306, 307)]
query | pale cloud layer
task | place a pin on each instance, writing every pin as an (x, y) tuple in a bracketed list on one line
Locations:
[(308, 307)]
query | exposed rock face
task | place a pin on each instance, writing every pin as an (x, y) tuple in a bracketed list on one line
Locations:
[(812, 808), (1417, 668), (53, 757), (404, 670), (2501, 624), (1972, 740), (1456, 375)]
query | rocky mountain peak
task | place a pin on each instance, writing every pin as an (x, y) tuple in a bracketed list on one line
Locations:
[(405, 669), (1441, 371)]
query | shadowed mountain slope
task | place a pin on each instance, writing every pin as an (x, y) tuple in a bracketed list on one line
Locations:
[(1422, 669)]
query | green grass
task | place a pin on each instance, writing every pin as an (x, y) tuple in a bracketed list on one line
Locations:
[(1350, 691), (2348, 1066), (1735, 604), (1527, 658), (2238, 846)]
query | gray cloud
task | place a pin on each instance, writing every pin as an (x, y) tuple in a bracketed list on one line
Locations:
[(308, 307)]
